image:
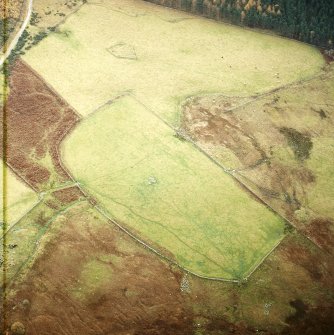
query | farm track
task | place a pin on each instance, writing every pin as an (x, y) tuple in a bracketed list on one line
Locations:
[(278, 89), (7, 51), (40, 199)]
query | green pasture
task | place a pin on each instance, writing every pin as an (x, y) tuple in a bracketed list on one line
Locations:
[(19, 197), (321, 161), (168, 193), (162, 56)]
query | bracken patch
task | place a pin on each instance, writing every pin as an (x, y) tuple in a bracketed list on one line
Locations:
[(68, 195), (322, 230), (37, 121)]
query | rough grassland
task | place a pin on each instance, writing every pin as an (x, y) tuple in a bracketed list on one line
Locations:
[(288, 161), (20, 198), (162, 56), (168, 191)]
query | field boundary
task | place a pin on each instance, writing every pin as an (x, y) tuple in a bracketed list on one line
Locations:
[(51, 88), (254, 97), (213, 160), (139, 240), (44, 231), (40, 197), (158, 253), (21, 178)]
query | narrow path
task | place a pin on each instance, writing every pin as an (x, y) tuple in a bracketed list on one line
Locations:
[(276, 90), (13, 43)]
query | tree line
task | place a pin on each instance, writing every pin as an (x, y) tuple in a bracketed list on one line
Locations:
[(310, 21)]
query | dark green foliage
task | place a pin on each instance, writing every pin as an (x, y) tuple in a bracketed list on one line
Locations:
[(37, 38), (199, 6), (321, 113), (26, 41), (252, 18), (6, 27), (300, 144), (186, 5), (19, 46), (310, 21), (34, 19), (288, 228)]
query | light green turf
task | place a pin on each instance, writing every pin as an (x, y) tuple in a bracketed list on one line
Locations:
[(168, 192), (321, 196), (20, 198), (94, 274), (169, 56)]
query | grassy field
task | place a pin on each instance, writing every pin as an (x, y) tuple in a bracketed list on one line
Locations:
[(20, 198), (321, 195), (174, 196), (162, 56)]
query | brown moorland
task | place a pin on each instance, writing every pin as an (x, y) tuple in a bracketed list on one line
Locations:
[(291, 293), (114, 287), (37, 121), (11, 9), (118, 287)]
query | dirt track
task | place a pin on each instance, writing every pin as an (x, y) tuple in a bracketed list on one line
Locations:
[(13, 42)]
